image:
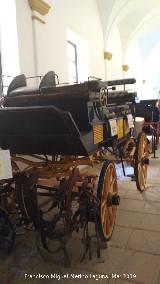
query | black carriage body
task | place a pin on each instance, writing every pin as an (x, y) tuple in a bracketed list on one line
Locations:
[(71, 120), (63, 120), (71, 98)]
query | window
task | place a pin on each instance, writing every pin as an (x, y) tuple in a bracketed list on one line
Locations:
[(72, 62), (77, 57)]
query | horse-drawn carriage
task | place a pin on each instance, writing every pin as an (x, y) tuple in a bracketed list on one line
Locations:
[(56, 135)]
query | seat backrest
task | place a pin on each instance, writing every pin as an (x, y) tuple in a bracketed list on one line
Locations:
[(17, 82), (48, 80)]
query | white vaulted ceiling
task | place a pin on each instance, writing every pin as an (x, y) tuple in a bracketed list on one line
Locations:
[(137, 24), (133, 18)]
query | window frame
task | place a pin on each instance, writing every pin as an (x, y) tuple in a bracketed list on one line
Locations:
[(74, 61)]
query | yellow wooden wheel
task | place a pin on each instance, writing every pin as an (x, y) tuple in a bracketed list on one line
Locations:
[(107, 193), (141, 161), (128, 147)]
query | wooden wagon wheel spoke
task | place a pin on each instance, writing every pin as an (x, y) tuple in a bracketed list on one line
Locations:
[(139, 172), (103, 204), (141, 162), (114, 209), (106, 221), (104, 216), (107, 226), (103, 212), (142, 177), (112, 182), (107, 193), (109, 184), (110, 215), (145, 172), (141, 150)]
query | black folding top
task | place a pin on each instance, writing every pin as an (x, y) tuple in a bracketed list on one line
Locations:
[(42, 130)]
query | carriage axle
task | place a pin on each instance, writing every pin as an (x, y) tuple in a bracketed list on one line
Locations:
[(113, 200)]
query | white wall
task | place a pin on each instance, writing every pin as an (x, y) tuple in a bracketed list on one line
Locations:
[(8, 34), (80, 16), (25, 38), (114, 66)]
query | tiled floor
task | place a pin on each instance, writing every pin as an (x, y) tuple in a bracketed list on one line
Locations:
[(133, 254)]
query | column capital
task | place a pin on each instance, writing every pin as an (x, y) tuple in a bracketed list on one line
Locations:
[(39, 6)]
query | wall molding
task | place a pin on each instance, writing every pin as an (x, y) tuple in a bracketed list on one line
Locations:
[(39, 6), (34, 17)]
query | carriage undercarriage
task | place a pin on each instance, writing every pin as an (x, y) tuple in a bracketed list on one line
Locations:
[(60, 195)]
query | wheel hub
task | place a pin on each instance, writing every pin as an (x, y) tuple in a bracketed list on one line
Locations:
[(145, 161), (113, 199)]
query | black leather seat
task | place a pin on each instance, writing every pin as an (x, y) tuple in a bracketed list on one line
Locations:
[(18, 86), (18, 82)]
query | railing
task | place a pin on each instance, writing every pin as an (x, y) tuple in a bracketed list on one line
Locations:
[(4, 87)]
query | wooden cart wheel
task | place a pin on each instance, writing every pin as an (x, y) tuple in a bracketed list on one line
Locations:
[(107, 193), (128, 147), (141, 161)]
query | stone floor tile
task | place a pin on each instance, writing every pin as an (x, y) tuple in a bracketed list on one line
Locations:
[(138, 221), (114, 260), (152, 207), (131, 195), (145, 266), (132, 205), (144, 241), (144, 206), (120, 237)]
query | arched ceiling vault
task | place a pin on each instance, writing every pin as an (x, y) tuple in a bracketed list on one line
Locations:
[(135, 20)]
